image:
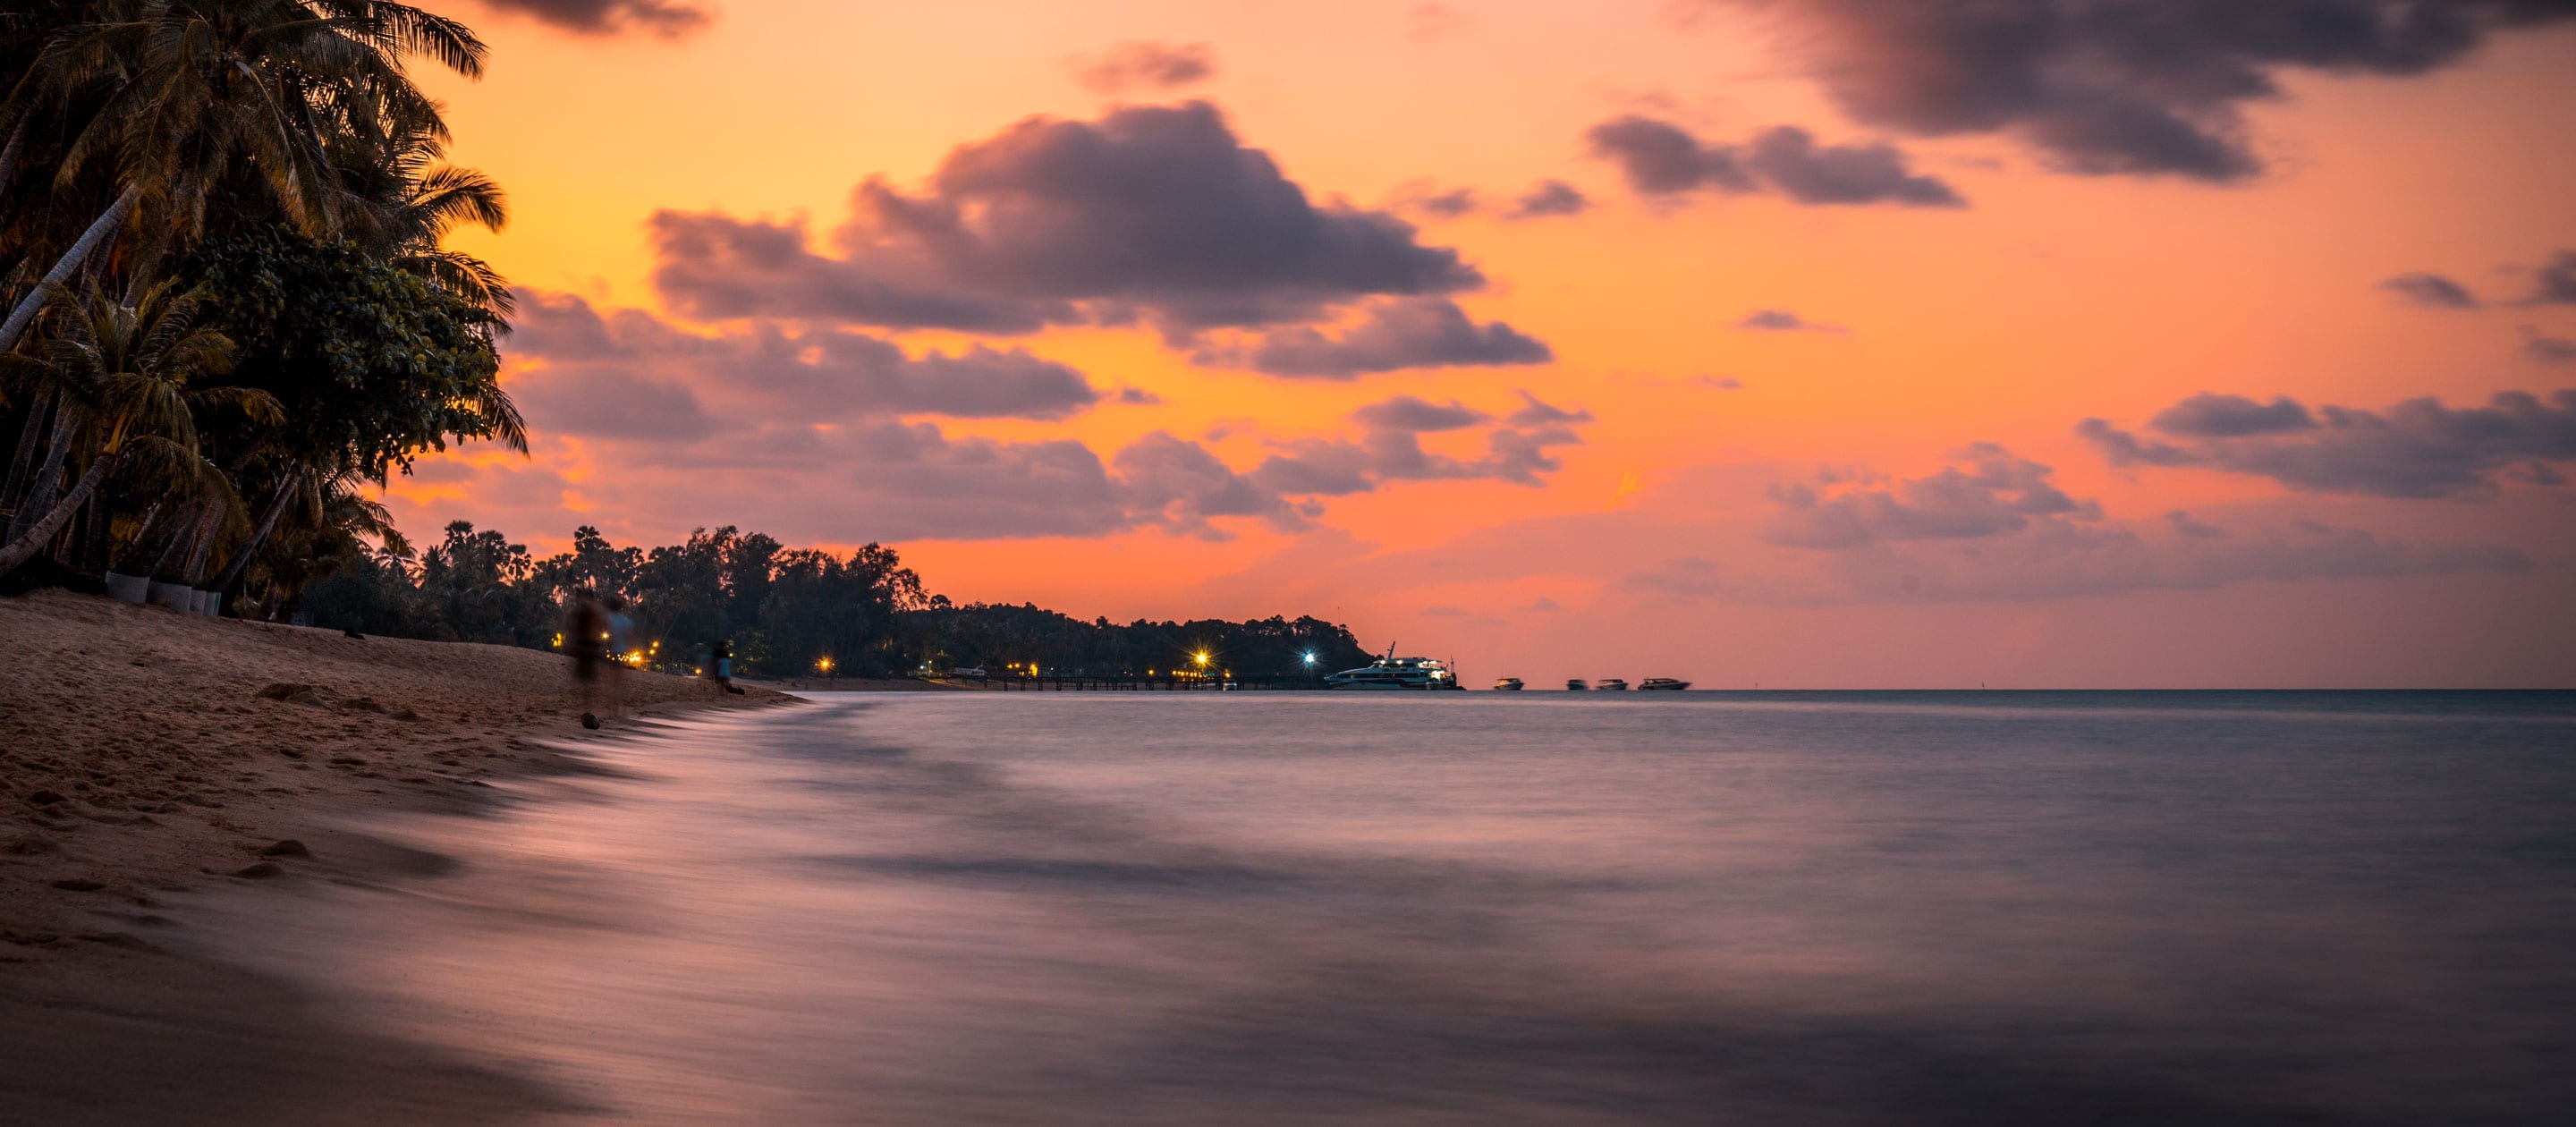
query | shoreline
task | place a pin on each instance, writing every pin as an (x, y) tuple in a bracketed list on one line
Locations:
[(153, 757)]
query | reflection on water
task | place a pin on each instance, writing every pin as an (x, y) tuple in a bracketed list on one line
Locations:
[(1898, 908)]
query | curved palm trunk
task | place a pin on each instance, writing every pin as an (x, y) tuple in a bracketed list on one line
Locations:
[(26, 544), (25, 312), (9, 155), (23, 457), (50, 475), (258, 536)]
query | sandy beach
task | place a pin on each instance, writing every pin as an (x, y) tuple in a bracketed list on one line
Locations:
[(146, 757)]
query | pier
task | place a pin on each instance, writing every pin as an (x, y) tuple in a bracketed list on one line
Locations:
[(1137, 683)]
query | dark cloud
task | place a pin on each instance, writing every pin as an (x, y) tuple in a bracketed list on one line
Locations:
[(2145, 87), (1405, 412), (1421, 197), (1536, 413), (1662, 159), (1790, 159), (1783, 321), (2557, 280), (1549, 198), (1177, 484), (609, 17), (1144, 65), (1137, 396), (1155, 211), (2543, 349), (1996, 493), (2416, 449), (2122, 448), (2431, 290), (1519, 451), (2232, 416), (630, 373), (2184, 524), (1428, 332)]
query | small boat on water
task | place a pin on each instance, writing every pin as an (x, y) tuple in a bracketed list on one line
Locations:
[(1612, 685), (1393, 672), (1665, 683), (1577, 685), (1507, 684)]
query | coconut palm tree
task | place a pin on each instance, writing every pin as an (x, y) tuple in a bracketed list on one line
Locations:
[(197, 90), (131, 371)]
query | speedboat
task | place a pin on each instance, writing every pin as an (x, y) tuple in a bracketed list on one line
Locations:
[(1612, 685), (1396, 673), (1507, 684), (1665, 683), (1577, 685)]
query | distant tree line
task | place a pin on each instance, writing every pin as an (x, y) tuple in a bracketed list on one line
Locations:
[(782, 610)]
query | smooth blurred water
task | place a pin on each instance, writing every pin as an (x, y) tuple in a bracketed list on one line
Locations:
[(1541, 908)]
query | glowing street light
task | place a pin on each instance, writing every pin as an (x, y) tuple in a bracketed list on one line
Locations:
[(824, 666), (1202, 657), (1310, 658)]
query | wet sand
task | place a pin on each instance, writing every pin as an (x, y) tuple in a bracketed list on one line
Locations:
[(148, 759)]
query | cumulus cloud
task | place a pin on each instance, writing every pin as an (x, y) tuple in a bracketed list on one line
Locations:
[(1783, 321), (1549, 198), (1144, 65), (631, 374), (1428, 199), (1520, 450), (2232, 416), (1995, 493), (2540, 348), (1405, 412), (1535, 412), (2416, 449), (2556, 280), (2432, 291), (1157, 212), (1407, 333), (2117, 88), (817, 432), (609, 17), (1662, 159)]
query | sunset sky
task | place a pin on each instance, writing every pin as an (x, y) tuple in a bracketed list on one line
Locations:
[(1806, 343)]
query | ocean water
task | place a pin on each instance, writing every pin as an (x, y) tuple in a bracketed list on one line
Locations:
[(1828, 908)]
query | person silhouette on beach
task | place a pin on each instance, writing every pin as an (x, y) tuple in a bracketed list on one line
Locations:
[(621, 631), (585, 639)]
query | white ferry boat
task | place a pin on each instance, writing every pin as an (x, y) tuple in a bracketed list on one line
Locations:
[(1612, 685), (1396, 673), (1507, 684), (1667, 684)]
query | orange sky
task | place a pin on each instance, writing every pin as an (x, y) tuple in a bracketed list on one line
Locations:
[(1670, 538)]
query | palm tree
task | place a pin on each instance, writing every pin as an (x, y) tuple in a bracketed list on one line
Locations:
[(192, 85), (131, 370)]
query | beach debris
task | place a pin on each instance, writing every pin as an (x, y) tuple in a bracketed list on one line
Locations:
[(261, 871), (78, 884), (286, 848)]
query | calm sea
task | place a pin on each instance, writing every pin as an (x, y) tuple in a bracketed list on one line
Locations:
[(1831, 908)]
